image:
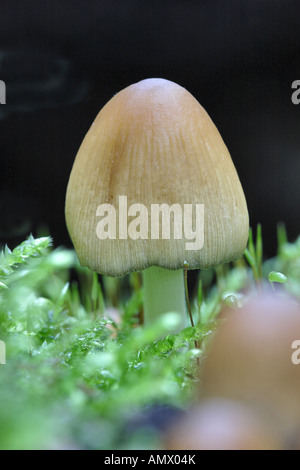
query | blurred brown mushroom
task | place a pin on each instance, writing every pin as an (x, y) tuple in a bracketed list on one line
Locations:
[(250, 360), (222, 425)]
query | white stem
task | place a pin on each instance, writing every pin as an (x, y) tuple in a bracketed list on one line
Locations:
[(164, 292)]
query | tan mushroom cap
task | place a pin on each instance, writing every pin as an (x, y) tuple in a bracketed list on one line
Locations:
[(155, 144)]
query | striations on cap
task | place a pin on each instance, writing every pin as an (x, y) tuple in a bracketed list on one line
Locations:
[(155, 144)]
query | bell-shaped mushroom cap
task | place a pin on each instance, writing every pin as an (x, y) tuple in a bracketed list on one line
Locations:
[(154, 144)]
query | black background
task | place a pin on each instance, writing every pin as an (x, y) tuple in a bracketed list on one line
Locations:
[(63, 60)]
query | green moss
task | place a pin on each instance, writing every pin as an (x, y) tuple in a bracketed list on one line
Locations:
[(81, 371)]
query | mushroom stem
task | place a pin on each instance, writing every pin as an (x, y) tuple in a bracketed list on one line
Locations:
[(164, 292)]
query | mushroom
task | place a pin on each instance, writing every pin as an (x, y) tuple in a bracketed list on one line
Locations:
[(153, 189), (220, 424), (250, 359)]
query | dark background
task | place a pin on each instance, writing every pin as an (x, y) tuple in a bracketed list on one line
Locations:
[(63, 60)]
